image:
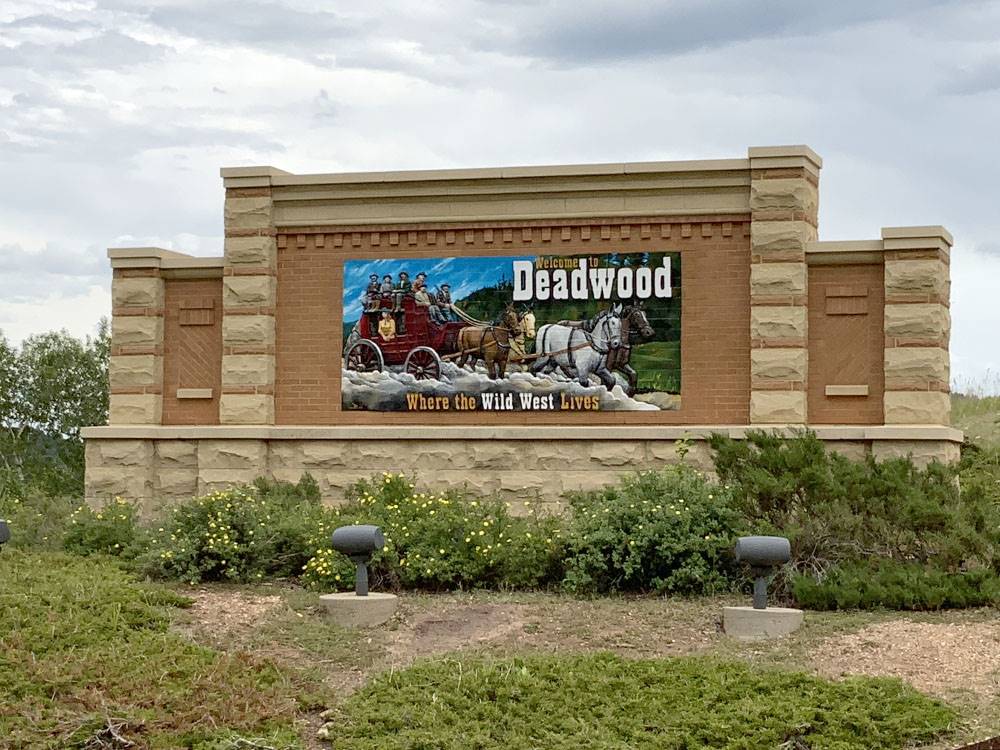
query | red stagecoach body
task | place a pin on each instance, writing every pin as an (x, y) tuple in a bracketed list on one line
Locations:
[(418, 345)]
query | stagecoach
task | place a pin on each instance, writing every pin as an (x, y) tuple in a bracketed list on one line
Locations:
[(418, 345)]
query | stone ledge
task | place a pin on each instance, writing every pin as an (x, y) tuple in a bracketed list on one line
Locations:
[(934, 231), (266, 175), (388, 432)]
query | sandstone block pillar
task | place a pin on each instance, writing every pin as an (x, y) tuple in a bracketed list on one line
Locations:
[(136, 365), (917, 325), (249, 300), (784, 200)]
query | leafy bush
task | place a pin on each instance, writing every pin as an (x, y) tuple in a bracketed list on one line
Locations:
[(112, 530), (835, 510), (669, 531), (436, 541), (896, 586), (244, 533), (37, 520), (979, 475)]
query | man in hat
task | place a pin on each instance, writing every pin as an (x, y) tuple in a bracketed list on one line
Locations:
[(423, 299), (443, 299), (402, 288), (370, 300)]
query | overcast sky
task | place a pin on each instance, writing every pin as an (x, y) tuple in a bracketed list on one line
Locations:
[(116, 116)]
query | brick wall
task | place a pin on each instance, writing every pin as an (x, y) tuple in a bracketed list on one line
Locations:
[(715, 347), (192, 350), (846, 305)]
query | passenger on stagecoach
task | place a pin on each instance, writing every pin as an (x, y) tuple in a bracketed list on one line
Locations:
[(402, 288), (370, 300), (443, 298), (423, 299), (387, 327), (386, 287)]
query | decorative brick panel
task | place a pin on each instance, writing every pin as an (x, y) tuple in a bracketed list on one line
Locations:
[(192, 350), (845, 344)]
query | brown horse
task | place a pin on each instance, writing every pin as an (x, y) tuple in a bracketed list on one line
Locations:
[(490, 343), (635, 326)]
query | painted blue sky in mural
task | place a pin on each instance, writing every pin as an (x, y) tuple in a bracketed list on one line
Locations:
[(465, 275)]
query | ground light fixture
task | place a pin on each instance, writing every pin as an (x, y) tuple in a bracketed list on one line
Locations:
[(4, 533), (360, 609), (359, 543), (763, 554)]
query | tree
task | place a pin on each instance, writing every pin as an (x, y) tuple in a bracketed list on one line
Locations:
[(8, 369), (50, 389)]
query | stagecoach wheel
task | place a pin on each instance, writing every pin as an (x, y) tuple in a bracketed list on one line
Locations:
[(365, 356), (423, 363)]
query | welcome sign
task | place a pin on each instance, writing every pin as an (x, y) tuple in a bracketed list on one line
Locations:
[(514, 333)]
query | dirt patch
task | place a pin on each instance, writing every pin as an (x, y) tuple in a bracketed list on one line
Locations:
[(937, 658), (221, 613), (454, 628)]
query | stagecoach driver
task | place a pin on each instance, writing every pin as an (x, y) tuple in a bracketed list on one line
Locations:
[(423, 299), (443, 298)]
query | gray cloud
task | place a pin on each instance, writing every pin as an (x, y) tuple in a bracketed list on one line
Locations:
[(54, 270), (107, 50), (980, 78), (590, 31), (46, 21), (115, 118), (265, 24)]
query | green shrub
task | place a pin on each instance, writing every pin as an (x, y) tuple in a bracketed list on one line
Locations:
[(668, 531), (82, 642), (835, 510), (570, 701), (112, 530), (37, 520), (436, 541), (243, 534), (895, 585), (979, 475)]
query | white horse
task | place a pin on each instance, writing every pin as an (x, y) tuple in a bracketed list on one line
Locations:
[(577, 352)]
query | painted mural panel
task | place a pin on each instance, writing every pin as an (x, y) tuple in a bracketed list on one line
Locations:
[(513, 333)]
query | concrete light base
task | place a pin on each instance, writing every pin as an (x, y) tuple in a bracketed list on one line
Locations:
[(749, 624), (352, 611)]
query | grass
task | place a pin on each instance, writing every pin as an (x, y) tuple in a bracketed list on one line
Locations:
[(658, 364), (85, 653), (978, 417), (605, 701), (975, 409)]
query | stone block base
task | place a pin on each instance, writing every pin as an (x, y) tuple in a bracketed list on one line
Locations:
[(352, 611), (530, 467), (749, 624)]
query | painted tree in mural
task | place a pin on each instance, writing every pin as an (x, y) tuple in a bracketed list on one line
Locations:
[(50, 388)]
